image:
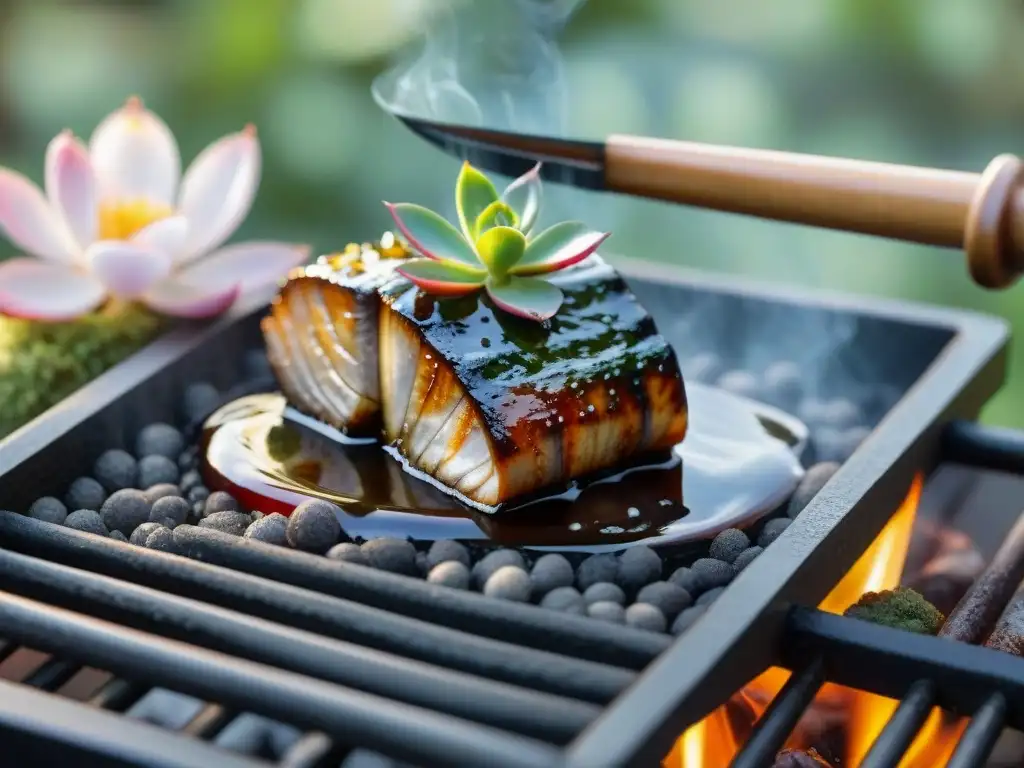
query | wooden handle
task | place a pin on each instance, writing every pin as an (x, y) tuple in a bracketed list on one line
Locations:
[(983, 213)]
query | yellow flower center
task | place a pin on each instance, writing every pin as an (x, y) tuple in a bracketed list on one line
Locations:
[(121, 220)]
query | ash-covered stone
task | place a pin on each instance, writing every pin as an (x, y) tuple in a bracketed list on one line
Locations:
[(140, 534), (154, 470), (487, 565), (85, 493), (839, 413), (710, 573), (49, 510), (710, 596), (198, 495), (509, 582), (686, 619), (161, 490), (813, 481), (772, 530), (644, 616), (668, 598), (746, 557), (444, 550), (189, 480), (115, 470), (685, 577), (742, 383), (168, 522), (199, 400), (118, 536), (159, 439), (450, 573), (174, 508), (566, 599), (606, 610), (604, 591), (728, 545), (272, 529), (125, 510), (188, 459), (222, 501), (86, 520), (596, 568), (705, 367), (162, 539), (638, 566), (392, 555), (784, 384), (550, 572), (234, 523), (347, 552)]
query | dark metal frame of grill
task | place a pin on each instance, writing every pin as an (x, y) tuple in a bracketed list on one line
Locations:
[(613, 696)]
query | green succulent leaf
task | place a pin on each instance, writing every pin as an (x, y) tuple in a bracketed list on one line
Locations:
[(524, 195), (497, 214), (443, 278), (474, 192), (500, 248), (528, 297), (558, 247), (431, 235)]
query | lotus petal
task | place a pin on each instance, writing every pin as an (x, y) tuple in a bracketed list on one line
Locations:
[(528, 297), (167, 235), (38, 290), (128, 270), (184, 299), (442, 278), (524, 195), (500, 249), (29, 222), (473, 193), (250, 265), (71, 187), (431, 235), (558, 247)]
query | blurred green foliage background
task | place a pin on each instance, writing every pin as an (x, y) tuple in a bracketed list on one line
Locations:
[(908, 81)]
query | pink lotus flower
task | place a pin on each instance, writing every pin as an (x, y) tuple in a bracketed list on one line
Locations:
[(119, 220)]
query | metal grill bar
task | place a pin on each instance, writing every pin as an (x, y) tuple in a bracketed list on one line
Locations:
[(898, 734), (313, 750), (323, 614), (981, 734), (984, 447), (394, 729)]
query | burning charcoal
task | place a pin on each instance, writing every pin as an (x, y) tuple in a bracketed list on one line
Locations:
[(687, 618), (606, 610), (85, 493), (666, 597), (447, 549), (550, 572), (173, 507), (705, 367), (638, 566), (86, 520), (509, 583), (450, 573), (116, 470), (49, 510), (118, 536), (190, 480), (314, 527), (565, 599), (492, 561), (125, 510), (813, 481), (234, 523), (784, 384), (746, 558), (742, 383), (604, 590), (644, 616), (161, 539), (728, 545), (798, 758), (603, 567), (161, 490), (199, 401), (899, 608), (1008, 635), (154, 470), (222, 501), (159, 440), (685, 577), (710, 573), (710, 596), (345, 552), (388, 554), (772, 530), (140, 534)]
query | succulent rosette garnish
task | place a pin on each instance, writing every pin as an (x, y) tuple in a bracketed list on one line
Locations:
[(495, 249), (119, 220)]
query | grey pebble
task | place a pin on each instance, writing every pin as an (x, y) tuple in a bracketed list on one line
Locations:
[(86, 520), (668, 598), (606, 610), (604, 591), (510, 582), (270, 529), (565, 599), (772, 530), (813, 481), (116, 469), (159, 439), (828, 445), (173, 507), (685, 577), (687, 618), (421, 563), (746, 557), (704, 367), (198, 495), (742, 383), (447, 549), (161, 539), (222, 501), (118, 536), (125, 510), (392, 555), (839, 413), (710, 596), (638, 566), (234, 523), (784, 384), (644, 616), (168, 522), (728, 545), (161, 490), (49, 510), (140, 534), (450, 573), (597, 568), (550, 572), (188, 459), (487, 565), (190, 480), (85, 493), (710, 573), (199, 400), (346, 552)]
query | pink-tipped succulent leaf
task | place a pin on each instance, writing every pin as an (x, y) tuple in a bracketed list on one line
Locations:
[(528, 297), (558, 247), (524, 196), (443, 278), (431, 235)]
